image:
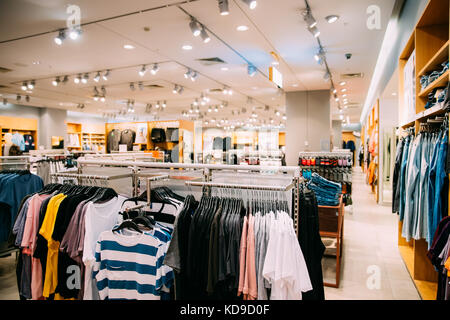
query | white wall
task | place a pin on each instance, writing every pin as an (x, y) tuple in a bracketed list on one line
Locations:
[(308, 121), (52, 122), (336, 126)]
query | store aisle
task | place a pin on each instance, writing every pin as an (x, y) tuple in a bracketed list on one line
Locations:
[(370, 249)]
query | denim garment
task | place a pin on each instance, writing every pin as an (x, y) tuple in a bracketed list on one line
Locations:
[(402, 177), (396, 177), (420, 226), (431, 187), (411, 186), (439, 206)]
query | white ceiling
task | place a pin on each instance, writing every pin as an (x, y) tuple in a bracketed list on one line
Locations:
[(273, 26)]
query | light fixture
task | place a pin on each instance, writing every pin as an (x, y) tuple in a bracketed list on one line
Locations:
[(27, 98), (216, 109), (132, 86), (315, 32), (242, 28), (309, 19), (204, 35), (74, 33), (251, 70), (224, 69), (154, 69), (320, 56), (142, 71), (195, 103), (203, 102), (197, 110), (277, 113), (194, 28), (60, 37), (344, 95), (97, 77), (334, 91), (102, 99), (24, 86), (175, 89), (343, 90), (105, 76), (65, 79), (157, 105), (180, 89), (148, 107), (342, 83), (284, 117), (18, 97), (187, 47), (341, 116), (336, 99), (85, 78), (194, 76), (56, 81), (209, 109), (164, 104), (332, 18), (251, 3), (394, 93), (327, 75), (77, 79), (128, 46), (30, 85), (223, 7), (140, 85)]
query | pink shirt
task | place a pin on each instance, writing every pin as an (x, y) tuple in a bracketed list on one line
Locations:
[(29, 241), (242, 254), (250, 285)]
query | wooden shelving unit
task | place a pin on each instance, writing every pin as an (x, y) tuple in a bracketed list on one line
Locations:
[(430, 41), (73, 129), (20, 125)]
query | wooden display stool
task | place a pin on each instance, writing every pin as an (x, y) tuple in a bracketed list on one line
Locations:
[(331, 225)]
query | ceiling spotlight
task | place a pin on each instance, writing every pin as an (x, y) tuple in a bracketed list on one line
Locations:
[(326, 76), (148, 107), (343, 90), (332, 18), (102, 99), (56, 81), (60, 37), (154, 69), (65, 79), (206, 122), (157, 105), (175, 89), (18, 97), (209, 109), (194, 28), (197, 110), (140, 85), (97, 77), (216, 109), (203, 102), (85, 78), (334, 91), (180, 89), (77, 79), (336, 99), (27, 98), (74, 33), (315, 31), (194, 76), (132, 86), (320, 56), (204, 35), (309, 19), (223, 7), (142, 71), (277, 113), (31, 85), (164, 104), (342, 83), (103, 90), (24, 86), (187, 74), (251, 70), (105, 76), (251, 3)]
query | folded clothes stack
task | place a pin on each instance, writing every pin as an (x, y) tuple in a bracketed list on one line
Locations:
[(437, 95), (427, 79), (327, 192)]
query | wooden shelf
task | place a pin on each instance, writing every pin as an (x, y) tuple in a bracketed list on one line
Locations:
[(440, 57), (431, 112), (439, 82)]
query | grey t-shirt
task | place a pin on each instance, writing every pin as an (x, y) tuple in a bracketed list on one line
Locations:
[(113, 140), (19, 225)]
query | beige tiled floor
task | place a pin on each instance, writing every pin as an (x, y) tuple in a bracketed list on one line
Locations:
[(370, 239)]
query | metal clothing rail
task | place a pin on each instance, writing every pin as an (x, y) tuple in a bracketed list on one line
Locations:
[(80, 176), (25, 161), (240, 186), (325, 153)]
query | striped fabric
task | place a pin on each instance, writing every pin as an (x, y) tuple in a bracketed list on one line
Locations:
[(131, 266)]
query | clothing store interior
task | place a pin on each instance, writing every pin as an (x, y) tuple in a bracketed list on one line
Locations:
[(224, 150)]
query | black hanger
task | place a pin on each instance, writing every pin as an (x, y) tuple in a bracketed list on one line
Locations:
[(128, 224), (146, 221)]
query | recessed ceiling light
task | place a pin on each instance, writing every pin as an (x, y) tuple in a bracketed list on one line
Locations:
[(295, 85), (36, 62), (242, 28), (344, 95), (394, 93), (332, 18), (342, 83), (128, 46), (224, 69), (187, 47), (343, 90)]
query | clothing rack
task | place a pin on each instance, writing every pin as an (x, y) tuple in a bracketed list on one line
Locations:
[(22, 161), (135, 166), (79, 176), (325, 153), (240, 186)]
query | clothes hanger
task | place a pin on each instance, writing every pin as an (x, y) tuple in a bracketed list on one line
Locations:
[(128, 224)]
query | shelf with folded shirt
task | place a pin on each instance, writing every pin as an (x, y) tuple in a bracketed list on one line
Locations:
[(25, 127)]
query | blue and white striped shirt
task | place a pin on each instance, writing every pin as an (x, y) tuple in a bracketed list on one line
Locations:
[(129, 265)]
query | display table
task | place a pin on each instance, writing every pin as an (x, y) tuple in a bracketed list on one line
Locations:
[(331, 225)]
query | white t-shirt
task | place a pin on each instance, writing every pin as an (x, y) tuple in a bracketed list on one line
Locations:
[(99, 217)]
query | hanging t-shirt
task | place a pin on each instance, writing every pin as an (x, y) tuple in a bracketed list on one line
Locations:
[(128, 265), (29, 142), (99, 217)]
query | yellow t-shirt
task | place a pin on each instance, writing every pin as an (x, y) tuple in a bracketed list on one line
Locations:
[(447, 266), (51, 272)]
